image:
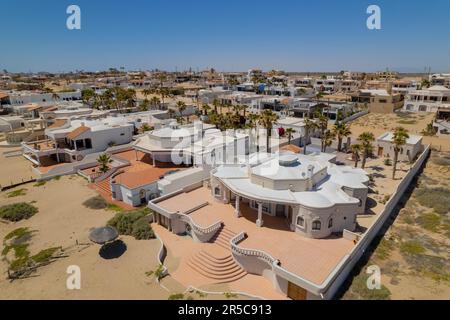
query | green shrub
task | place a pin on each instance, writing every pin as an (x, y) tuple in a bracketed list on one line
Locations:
[(387, 162), (176, 296), (18, 233), (436, 198), (45, 255), (359, 288), (16, 193), (40, 183), (96, 203), (141, 230), (412, 248), (114, 207), (18, 211), (429, 221), (133, 224)]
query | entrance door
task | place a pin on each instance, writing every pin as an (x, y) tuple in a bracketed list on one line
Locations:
[(380, 151), (295, 292), (280, 210)]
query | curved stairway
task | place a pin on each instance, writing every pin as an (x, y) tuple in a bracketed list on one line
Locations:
[(213, 266), (104, 187), (223, 237)]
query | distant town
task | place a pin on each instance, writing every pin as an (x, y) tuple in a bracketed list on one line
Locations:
[(260, 184)]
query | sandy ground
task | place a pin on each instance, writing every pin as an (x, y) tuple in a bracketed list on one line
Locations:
[(414, 123), (61, 221), (407, 274), (14, 169)]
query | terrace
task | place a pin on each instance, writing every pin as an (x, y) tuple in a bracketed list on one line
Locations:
[(312, 259)]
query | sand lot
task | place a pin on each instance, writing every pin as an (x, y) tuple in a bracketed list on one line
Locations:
[(61, 221), (14, 169), (414, 123)]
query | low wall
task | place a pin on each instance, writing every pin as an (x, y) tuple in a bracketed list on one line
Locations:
[(341, 273), (355, 116)]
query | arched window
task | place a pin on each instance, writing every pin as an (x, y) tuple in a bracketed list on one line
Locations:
[(316, 225), (300, 221), (330, 223)]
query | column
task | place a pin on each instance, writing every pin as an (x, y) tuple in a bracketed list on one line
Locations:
[(237, 211), (260, 221), (136, 154), (154, 162)]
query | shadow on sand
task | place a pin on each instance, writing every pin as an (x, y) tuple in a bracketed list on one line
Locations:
[(113, 250)]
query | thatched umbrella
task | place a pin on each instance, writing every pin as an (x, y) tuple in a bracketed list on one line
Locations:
[(103, 235)]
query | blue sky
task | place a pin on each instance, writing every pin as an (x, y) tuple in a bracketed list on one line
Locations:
[(229, 35)]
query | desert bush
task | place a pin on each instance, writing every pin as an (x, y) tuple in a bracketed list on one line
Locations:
[(429, 221), (176, 296), (133, 224), (387, 162), (436, 199), (96, 203), (18, 211), (359, 290), (412, 248), (141, 230), (40, 183), (16, 193)]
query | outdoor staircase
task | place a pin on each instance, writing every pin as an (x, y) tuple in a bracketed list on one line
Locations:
[(103, 186), (222, 238), (222, 269)]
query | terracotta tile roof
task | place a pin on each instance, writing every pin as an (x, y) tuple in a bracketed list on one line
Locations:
[(135, 179), (51, 109), (77, 132), (3, 95), (58, 123), (291, 147)]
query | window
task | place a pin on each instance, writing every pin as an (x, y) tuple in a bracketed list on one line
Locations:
[(330, 223), (217, 191), (316, 225), (300, 221)]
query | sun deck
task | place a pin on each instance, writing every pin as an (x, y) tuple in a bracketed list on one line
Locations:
[(312, 259)]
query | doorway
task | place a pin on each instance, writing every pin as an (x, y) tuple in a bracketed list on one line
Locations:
[(295, 292)]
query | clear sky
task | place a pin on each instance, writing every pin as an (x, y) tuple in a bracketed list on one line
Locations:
[(229, 35)]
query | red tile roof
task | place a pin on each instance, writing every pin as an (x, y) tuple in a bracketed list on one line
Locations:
[(77, 132)]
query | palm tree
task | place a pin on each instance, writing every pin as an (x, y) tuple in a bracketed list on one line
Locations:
[(55, 97), (154, 101), (356, 149), (103, 160), (310, 126), (341, 130), (267, 119), (146, 93), (399, 140), (144, 105), (171, 113), (181, 108), (216, 104), (366, 139), (327, 139), (290, 132), (205, 109)]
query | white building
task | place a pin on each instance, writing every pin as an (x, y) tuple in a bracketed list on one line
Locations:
[(427, 100), (24, 97), (71, 140), (408, 152)]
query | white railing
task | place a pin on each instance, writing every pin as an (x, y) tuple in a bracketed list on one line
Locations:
[(249, 252), (199, 229)]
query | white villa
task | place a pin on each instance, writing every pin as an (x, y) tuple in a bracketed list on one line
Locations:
[(282, 202), (71, 140), (408, 152), (428, 100)]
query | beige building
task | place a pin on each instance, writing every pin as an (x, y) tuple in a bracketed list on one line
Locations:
[(378, 101)]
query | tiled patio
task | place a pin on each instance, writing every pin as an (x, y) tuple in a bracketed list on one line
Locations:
[(312, 259)]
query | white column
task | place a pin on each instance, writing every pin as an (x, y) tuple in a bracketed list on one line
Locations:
[(154, 162), (237, 210), (260, 221)]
